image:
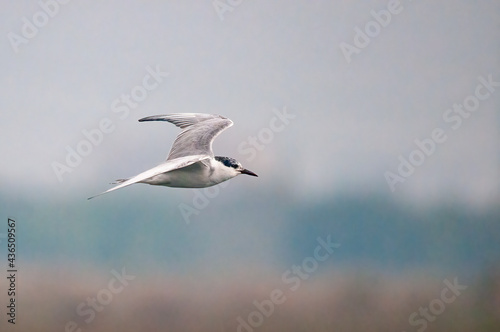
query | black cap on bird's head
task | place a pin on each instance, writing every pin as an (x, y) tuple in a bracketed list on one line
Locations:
[(233, 163)]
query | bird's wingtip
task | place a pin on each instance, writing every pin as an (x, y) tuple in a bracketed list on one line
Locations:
[(161, 117)]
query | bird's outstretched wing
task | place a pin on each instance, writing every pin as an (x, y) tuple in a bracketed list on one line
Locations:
[(199, 131), (167, 166)]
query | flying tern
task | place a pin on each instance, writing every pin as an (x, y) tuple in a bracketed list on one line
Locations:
[(191, 162)]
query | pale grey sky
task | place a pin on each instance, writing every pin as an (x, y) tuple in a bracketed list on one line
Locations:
[(352, 120)]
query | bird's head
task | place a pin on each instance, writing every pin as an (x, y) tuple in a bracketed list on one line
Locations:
[(233, 164)]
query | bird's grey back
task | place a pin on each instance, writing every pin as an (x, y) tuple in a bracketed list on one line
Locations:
[(199, 131)]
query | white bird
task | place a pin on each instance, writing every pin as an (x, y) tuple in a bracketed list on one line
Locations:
[(191, 162)]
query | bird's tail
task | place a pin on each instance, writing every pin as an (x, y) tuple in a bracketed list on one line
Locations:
[(119, 181)]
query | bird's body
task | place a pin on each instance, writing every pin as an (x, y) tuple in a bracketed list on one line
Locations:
[(191, 162), (192, 176), (201, 174)]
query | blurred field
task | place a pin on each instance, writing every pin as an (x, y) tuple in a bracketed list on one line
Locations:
[(328, 301)]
